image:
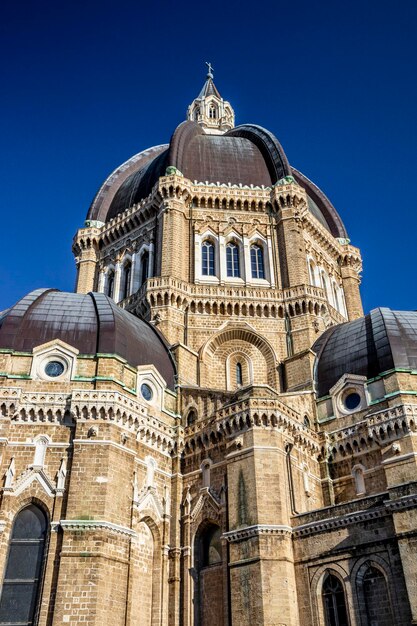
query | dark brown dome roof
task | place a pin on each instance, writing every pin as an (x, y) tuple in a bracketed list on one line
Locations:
[(246, 155), (92, 323), (368, 346)]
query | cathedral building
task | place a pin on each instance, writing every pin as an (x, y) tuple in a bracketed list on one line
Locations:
[(209, 431)]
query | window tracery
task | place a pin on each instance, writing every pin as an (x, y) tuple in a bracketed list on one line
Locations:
[(257, 261), (334, 602), (232, 260), (208, 266)]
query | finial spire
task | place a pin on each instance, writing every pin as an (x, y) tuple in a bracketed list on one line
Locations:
[(209, 109), (210, 70)]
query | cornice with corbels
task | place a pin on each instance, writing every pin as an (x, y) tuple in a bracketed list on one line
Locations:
[(243, 415), (376, 430)]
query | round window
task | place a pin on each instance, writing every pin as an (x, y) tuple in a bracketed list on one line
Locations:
[(146, 392), (54, 369), (352, 400)]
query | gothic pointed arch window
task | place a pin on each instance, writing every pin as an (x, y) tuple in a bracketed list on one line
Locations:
[(374, 596), (110, 284), (208, 266), (212, 111), (144, 266), (325, 284), (232, 260), (127, 274), (22, 581), (334, 601), (257, 261), (312, 272), (191, 417)]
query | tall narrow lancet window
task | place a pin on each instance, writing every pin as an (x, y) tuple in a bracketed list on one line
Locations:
[(144, 267), (257, 262), (207, 259), (232, 260), (239, 374), (22, 581), (110, 284), (312, 271), (127, 273), (334, 602)]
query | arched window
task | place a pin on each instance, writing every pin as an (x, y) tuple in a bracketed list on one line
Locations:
[(359, 481), (212, 112), (22, 581), (40, 452), (207, 259), (336, 297), (257, 262), (127, 273), (196, 113), (324, 285), (376, 597), (191, 417), (232, 260), (312, 271), (334, 602), (239, 374), (110, 284), (144, 267)]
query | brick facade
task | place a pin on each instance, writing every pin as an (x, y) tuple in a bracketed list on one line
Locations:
[(234, 498)]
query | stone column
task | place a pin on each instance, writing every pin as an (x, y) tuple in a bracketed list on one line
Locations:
[(132, 285), (101, 281), (270, 262), (117, 281)]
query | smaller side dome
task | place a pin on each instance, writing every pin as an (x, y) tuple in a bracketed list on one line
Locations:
[(92, 323), (380, 341)]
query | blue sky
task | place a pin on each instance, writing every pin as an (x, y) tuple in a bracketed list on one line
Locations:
[(85, 85)]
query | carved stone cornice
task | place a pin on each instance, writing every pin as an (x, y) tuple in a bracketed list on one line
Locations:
[(257, 530), (375, 430), (345, 519), (336, 523), (94, 525)]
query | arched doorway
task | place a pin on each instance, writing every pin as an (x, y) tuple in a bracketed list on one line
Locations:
[(25, 564), (209, 587)]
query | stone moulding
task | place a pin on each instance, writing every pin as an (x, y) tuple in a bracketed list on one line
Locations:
[(255, 531), (94, 525), (379, 428), (320, 526)]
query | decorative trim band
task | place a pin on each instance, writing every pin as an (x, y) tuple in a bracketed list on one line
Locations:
[(254, 531), (407, 502), (77, 524), (326, 525)]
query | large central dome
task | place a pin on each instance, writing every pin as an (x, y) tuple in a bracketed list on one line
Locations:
[(245, 155)]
